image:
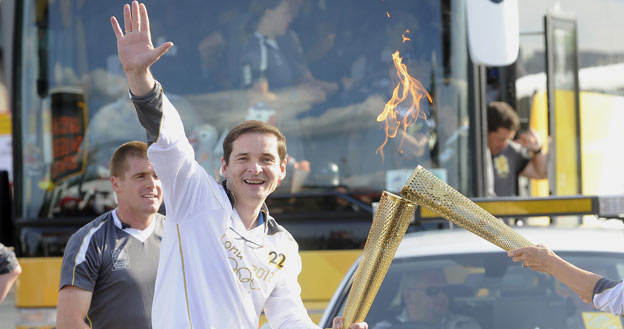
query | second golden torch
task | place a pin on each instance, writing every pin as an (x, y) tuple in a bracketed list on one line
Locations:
[(429, 191), (388, 228)]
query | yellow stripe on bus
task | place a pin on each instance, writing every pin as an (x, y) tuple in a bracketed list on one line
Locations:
[(529, 207), (5, 124)]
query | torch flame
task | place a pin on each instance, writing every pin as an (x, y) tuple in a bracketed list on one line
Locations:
[(405, 39), (388, 14), (408, 87)]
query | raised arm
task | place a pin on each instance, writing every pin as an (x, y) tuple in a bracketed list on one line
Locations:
[(135, 49), (538, 166)]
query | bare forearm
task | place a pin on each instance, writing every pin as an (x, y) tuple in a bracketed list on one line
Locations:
[(537, 168), (63, 323), (580, 281), (141, 82), (540, 163), (6, 281), (540, 258)]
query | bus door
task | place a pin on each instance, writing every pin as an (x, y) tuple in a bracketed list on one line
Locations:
[(563, 105)]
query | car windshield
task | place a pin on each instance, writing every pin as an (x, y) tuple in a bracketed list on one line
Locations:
[(486, 291)]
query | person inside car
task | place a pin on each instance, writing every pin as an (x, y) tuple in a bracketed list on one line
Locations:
[(426, 305)]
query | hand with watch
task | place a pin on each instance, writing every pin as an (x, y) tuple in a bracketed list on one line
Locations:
[(531, 141)]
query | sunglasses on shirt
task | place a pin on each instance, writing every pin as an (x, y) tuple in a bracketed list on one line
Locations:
[(248, 243)]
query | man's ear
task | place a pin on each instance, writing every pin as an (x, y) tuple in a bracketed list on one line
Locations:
[(283, 170), (115, 183), (223, 167)]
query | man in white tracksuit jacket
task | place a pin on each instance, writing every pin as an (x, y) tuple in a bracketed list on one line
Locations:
[(223, 258)]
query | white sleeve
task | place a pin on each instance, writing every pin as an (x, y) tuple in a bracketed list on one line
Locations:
[(184, 181), (609, 296), (284, 307)]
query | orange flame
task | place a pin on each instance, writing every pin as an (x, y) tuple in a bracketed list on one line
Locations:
[(408, 87), (405, 39), (388, 14)]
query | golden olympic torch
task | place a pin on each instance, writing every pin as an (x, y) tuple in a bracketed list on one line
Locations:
[(428, 191), (391, 221), (389, 225)]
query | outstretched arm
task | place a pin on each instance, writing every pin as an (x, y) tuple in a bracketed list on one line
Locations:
[(605, 294), (541, 259), (135, 49)]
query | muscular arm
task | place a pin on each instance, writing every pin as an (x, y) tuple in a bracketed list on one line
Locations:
[(7, 280), (72, 308)]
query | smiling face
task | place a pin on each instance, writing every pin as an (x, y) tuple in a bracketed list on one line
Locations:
[(254, 169), (139, 190)]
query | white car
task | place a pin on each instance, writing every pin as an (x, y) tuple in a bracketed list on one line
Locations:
[(478, 286)]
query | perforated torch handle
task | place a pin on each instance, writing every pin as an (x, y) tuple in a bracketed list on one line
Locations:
[(388, 228), (428, 191)]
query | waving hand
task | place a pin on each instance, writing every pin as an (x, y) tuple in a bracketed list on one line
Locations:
[(135, 49)]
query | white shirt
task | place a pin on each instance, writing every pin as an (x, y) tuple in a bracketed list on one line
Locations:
[(609, 296), (212, 272), (140, 235)]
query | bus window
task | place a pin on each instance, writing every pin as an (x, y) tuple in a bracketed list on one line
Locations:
[(314, 70)]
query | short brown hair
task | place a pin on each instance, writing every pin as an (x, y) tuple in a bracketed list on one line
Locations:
[(502, 115), (118, 163), (253, 126)]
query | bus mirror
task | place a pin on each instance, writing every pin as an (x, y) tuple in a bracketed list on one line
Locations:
[(493, 32)]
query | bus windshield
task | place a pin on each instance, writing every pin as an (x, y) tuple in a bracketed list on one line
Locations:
[(321, 71)]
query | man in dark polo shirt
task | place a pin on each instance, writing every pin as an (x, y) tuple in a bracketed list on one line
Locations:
[(109, 266), (9, 270), (510, 158)]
